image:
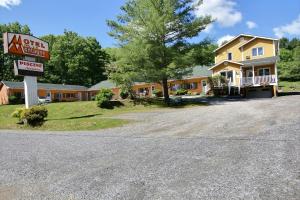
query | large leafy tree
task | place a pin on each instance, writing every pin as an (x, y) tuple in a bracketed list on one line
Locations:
[(6, 61), (74, 60), (153, 38), (289, 64)]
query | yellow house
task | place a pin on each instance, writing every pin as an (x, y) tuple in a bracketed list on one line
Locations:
[(249, 64)]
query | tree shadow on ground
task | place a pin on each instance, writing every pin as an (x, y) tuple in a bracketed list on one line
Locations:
[(77, 117)]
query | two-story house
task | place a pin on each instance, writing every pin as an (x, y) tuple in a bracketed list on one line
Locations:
[(249, 64)]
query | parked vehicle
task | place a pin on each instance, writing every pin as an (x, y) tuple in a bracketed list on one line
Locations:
[(43, 100)]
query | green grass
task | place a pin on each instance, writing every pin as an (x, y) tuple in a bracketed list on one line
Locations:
[(84, 115), (74, 116), (287, 86)]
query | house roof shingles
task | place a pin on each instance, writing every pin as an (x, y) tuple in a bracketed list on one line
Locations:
[(260, 61)]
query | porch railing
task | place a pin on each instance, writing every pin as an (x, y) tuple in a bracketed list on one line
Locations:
[(259, 80)]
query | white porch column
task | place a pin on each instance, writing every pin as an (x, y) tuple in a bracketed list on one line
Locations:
[(30, 87), (241, 79), (276, 78), (253, 81)]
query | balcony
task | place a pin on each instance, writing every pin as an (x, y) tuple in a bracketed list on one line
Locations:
[(259, 80)]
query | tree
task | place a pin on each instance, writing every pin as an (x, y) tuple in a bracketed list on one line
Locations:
[(153, 38), (74, 60), (7, 61), (284, 43), (289, 64)]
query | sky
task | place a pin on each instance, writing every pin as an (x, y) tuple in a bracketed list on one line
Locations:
[(269, 18)]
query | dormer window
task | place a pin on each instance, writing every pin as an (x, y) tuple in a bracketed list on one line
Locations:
[(259, 51), (229, 56)]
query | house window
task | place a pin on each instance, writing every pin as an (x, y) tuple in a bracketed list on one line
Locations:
[(264, 72), (230, 75), (229, 56), (227, 74), (223, 74), (259, 51)]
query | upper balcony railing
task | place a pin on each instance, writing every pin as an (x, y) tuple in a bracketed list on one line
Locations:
[(259, 80)]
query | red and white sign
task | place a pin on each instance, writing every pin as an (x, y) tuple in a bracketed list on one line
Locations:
[(28, 68), (25, 45)]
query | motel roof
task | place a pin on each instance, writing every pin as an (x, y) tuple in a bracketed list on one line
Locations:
[(198, 71), (103, 84), (45, 86)]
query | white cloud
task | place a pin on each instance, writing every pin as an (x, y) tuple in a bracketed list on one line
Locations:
[(9, 3), (208, 28), (289, 29), (224, 38), (222, 11), (251, 24)]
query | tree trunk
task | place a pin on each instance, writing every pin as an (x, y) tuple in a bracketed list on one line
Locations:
[(166, 90)]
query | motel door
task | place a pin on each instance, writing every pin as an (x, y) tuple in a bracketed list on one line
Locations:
[(204, 87)]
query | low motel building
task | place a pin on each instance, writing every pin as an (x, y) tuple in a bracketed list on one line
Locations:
[(56, 92), (248, 62), (195, 83)]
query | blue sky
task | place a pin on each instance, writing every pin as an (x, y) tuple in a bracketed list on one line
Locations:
[(272, 18)]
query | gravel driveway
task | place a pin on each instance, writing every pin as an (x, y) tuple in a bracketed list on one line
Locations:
[(229, 150)]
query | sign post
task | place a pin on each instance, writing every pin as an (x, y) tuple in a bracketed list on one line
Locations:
[(29, 48)]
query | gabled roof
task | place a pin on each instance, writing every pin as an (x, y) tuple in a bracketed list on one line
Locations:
[(240, 35), (200, 71), (246, 35), (230, 61), (45, 86), (257, 37), (103, 84)]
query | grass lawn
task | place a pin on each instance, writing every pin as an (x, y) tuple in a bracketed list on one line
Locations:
[(83, 115), (287, 86)]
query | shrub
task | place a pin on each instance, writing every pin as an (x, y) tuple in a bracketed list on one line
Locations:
[(103, 98), (15, 100), (17, 113), (124, 94), (33, 116), (93, 98), (181, 92), (157, 93)]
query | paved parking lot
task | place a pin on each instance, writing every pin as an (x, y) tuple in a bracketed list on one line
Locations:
[(246, 149)]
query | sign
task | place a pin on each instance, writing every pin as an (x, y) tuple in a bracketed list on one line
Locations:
[(25, 45), (28, 68)]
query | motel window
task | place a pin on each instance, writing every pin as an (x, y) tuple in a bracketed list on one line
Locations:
[(69, 95), (19, 94), (258, 51), (189, 86), (229, 56), (264, 72)]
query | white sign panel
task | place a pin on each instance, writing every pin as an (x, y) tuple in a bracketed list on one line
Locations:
[(28, 68)]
